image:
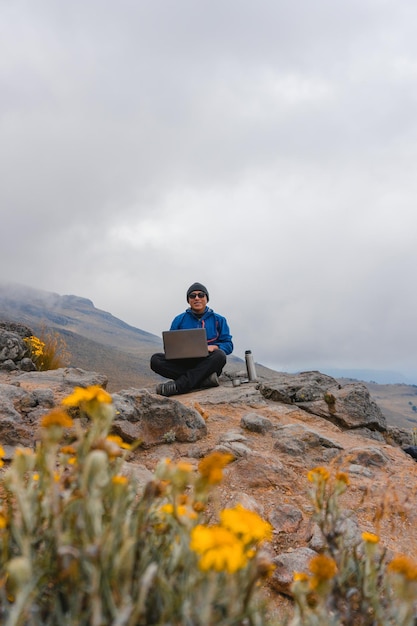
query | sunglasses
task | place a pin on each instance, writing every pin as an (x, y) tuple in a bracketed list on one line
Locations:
[(193, 296)]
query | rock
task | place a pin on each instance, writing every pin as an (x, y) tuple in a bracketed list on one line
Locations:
[(348, 407), (359, 470), (12, 346), (233, 442), (256, 423), (27, 365), (248, 502), (16, 328), (286, 518), (296, 439), (10, 398), (15, 433), (295, 388), (286, 565), (399, 436), (412, 451), (232, 436), (138, 473), (348, 528), (64, 378), (153, 419), (354, 409), (32, 394), (369, 434), (246, 394), (234, 448), (317, 541), (368, 456), (254, 472), (8, 365)]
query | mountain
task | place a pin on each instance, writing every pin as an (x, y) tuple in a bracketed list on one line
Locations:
[(96, 339), (382, 377)]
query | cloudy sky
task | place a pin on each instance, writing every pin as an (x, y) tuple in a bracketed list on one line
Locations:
[(267, 149)]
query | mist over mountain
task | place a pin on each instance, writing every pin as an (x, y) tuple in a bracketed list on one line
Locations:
[(96, 339), (382, 377)]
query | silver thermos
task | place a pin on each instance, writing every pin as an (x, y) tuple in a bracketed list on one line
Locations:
[(250, 365)]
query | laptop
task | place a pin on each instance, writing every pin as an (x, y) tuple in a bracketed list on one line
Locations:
[(185, 344)]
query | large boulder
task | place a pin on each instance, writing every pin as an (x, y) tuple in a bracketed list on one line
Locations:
[(152, 419), (349, 407), (286, 564), (15, 327), (12, 347), (28, 396), (64, 378)]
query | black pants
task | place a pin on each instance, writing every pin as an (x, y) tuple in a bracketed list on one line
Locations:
[(188, 373)]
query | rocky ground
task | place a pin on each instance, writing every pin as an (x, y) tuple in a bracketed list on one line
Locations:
[(275, 438)]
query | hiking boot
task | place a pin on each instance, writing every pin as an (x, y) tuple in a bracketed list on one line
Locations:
[(167, 389), (210, 381)]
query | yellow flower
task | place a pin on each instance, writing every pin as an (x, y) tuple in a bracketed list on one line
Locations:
[(119, 480), (211, 467), (118, 441), (248, 525), (181, 511), (300, 577), (183, 466), (318, 473), (186, 512), (342, 477), (35, 345), (82, 395), (404, 566), (322, 567), (56, 417), (3, 521), (68, 450), (370, 537), (219, 549), (2, 454), (167, 508)]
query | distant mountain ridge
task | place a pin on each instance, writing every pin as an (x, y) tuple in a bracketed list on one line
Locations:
[(73, 313), (381, 377), (96, 339)]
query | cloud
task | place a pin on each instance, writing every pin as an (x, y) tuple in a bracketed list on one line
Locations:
[(267, 150)]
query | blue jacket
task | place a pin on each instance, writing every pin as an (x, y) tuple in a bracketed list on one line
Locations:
[(217, 328)]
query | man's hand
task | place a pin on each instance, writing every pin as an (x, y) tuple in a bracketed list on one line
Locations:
[(212, 348)]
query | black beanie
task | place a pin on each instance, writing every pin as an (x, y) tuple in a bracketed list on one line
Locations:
[(197, 287)]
